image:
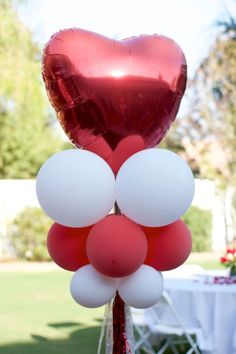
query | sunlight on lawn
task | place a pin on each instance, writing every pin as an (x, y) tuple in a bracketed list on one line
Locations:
[(39, 316)]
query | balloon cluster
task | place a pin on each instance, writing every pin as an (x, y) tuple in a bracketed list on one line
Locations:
[(116, 99), (153, 188)]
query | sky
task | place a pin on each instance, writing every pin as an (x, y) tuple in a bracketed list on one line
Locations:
[(191, 23)]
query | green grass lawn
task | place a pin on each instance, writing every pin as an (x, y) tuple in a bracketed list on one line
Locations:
[(38, 316)]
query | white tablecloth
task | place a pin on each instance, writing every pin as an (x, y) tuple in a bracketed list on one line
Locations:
[(212, 307)]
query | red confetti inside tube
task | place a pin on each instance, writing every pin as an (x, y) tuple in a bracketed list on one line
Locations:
[(120, 341), (119, 335)]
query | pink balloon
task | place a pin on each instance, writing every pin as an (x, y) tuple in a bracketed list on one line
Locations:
[(116, 246)]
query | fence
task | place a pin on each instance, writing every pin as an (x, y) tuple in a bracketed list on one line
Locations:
[(15, 195)]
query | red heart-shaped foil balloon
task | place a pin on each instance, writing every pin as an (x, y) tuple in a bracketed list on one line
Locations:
[(104, 90)]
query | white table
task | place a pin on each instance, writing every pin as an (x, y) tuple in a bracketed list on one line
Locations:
[(212, 307)]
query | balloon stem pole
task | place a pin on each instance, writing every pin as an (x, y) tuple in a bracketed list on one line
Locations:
[(117, 210), (119, 330), (119, 320)]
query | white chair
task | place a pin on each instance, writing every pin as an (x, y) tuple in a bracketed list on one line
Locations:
[(142, 333), (173, 335)]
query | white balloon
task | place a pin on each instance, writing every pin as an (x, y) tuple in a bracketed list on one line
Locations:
[(154, 187), (141, 289), (76, 188), (92, 289)]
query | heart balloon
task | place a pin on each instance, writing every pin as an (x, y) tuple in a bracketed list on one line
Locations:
[(105, 90)]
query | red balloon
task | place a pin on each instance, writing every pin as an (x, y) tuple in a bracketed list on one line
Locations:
[(104, 90), (126, 148), (168, 246), (116, 246), (67, 246)]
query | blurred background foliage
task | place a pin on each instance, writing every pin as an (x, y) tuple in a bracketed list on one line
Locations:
[(205, 135), (28, 234), (26, 135), (200, 223)]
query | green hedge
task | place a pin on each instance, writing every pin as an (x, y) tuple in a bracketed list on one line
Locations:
[(28, 234), (29, 229), (199, 222)]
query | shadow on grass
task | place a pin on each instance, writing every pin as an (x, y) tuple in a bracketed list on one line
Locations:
[(64, 324), (99, 320), (38, 338), (81, 341)]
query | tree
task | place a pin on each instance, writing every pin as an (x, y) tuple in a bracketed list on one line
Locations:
[(200, 223), (26, 137), (214, 110), (27, 233), (206, 136), (210, 129)]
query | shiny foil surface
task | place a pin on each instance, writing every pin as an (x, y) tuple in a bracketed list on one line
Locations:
[(105, 90)]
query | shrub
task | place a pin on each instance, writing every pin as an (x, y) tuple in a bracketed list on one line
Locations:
[(199, 222), (28, 234)]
